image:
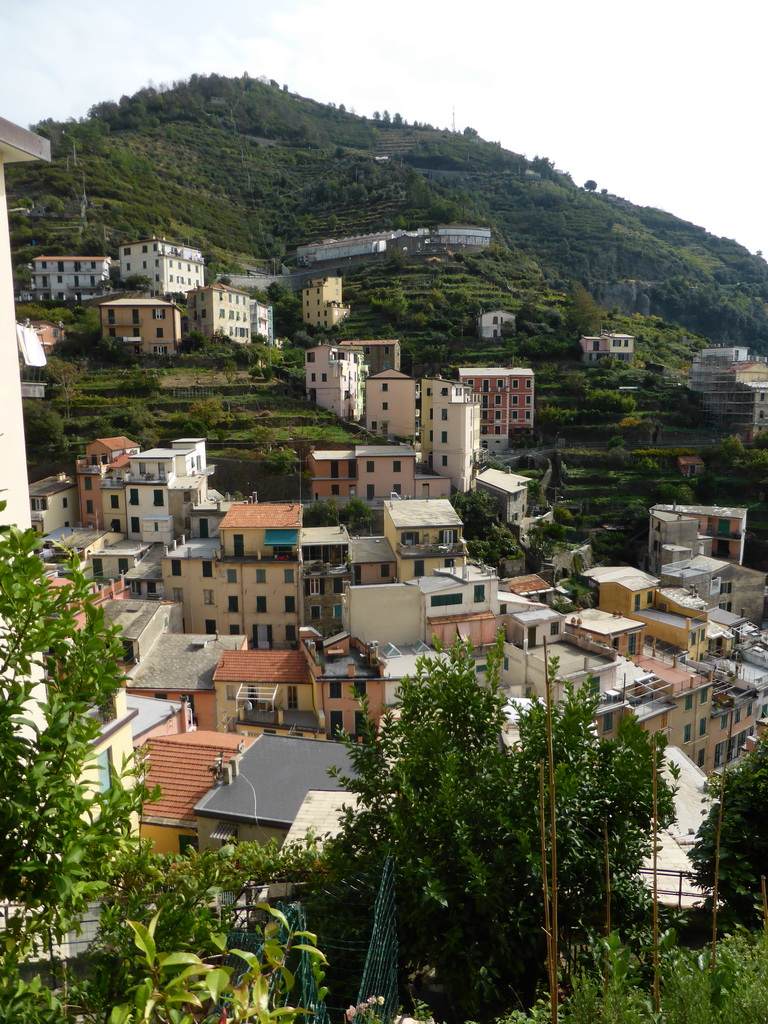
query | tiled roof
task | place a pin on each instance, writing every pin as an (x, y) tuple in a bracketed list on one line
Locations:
[(272, 516), (117, 442), (180, 766), (262, 667), (525, 584), (369, 341)]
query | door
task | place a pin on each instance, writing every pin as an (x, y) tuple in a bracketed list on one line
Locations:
[(531, 636), (336, 723), (203, 528), (369, 491)]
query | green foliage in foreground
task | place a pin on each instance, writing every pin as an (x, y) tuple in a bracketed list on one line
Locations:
[(460, 816)]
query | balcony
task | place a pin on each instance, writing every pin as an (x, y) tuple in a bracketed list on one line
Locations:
[(709, 531), (86, 467), (326, 569), (433, 550)]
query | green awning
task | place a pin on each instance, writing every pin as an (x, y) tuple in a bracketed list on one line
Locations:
[(278, 538)]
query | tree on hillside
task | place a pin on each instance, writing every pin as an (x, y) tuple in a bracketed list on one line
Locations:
[(65, 376), (459, 814), (590, 185), (584, 315)]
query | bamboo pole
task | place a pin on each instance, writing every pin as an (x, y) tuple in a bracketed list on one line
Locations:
[(544, 881), (716, 885), (656, 987), (765, 905), (553, 841), (607, 855)]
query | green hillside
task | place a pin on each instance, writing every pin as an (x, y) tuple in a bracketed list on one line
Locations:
[(247, 170)]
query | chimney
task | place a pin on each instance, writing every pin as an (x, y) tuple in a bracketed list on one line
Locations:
[(234, 763), (184, 715), (226, 775), (351, 671)]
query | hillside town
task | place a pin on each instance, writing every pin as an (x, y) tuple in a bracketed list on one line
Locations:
[(261, 640)]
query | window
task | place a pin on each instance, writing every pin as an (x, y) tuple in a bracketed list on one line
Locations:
[(700, 758), (334, 689), (89, 506), (157, 498), (261, 604), (231, 575), (687, 734), (208, 569), (207, 597), (314, 611), (238, 545), (369, 467), (210, 625), (723, 721), (178, 594), (444, 460), (293, 698), (232, 605), (88, 484), (441, 600), (704, 695), (290, 633), (175, 567), (98, 567), (479, 592), (337, 611), (385, 571), (608, 722), (114, 501), (702, 727), (396, 466), (261, 575), (133, 496), (689, 702), (338, 586), (104, 765), (122, 566), (290, 603), (444, 436), (443, 414), (554, 629), (287, 575), (385, 387), (360, 687), (135, 524), (314, 586), (418, 567)]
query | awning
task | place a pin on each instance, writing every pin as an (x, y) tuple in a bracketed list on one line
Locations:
[(276, 538), (224, 831)]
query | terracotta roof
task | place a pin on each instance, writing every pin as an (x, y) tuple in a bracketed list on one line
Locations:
[(117, 442), (262, 667), (525, 584), (367, 341), (180, 766), (266, 516)]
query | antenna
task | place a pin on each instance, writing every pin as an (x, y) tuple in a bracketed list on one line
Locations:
[(453, 123)]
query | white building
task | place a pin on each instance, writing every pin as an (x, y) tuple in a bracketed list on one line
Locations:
[(335, 380), (161, 487), (69, 277), (490, 325), (170, 266), (450, 430)]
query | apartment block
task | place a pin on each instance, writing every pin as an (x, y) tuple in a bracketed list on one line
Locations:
[(170, 266), (506, 402), (101, 481), (216, 310), (321, 302), (371, 472), (424, 535), (450, 431), (69, 278), (273, 691), (335, 380), (162, 485), (145, 326), (326, 574), (677, 532), (53, 502), (617, 346), (392, 401)]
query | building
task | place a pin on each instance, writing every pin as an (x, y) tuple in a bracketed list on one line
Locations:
[(161, 487), (326, 574), (345, 669), (266, 690), (257, 794), (321, 302), (506, 402), (53, 502), (217, 310), (509, 492), (373, 560), (180, 666), (621, 634), (16, 146), (69, 278), (49, 334), (101, 470), (335, 380), (392, 401), (677, 532), (172, 268), (733, 387), (491, 325), (424, 535), (372, 472), (182, 768), (262, 323), (617, 346), (145, 326), (721, 585), (379, 355), (450, 431)]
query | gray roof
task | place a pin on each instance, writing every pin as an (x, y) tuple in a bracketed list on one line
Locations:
[(196, 547), (159, 453), (324, 535), (182, 661), (437, 512), (50, 485), (151, 565), (509, 482), (131, 616), (370, 549), (151, 712), (718, 511), (276, 773)]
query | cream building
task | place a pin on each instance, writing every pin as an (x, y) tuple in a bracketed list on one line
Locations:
[(321, 303), (391, 404), (450, 430), (335, 380), (171, 267), (69, 277), (53, 503), (424, 535), (217, 310)]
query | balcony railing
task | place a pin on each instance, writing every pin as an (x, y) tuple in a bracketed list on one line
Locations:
[(708, 531), (420, 550), (326, 569)]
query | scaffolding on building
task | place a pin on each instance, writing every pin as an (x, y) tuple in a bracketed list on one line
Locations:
[(734, 389)]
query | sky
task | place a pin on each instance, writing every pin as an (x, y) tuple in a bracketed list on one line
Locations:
[(661, 103)]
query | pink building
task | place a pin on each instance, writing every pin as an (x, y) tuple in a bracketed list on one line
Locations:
[(506, 402), (618, 346), (335, 380), (372, 471), (391, 404)]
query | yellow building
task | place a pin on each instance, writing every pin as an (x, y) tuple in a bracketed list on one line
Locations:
[(217, 310), (266, 690), (112, 750), (145, 326), (321, 302), (424, 535)]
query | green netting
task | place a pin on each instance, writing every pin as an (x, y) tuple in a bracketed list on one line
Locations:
[(380, 973)]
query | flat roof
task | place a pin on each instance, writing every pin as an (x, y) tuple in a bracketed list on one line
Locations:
[(509, 482), (496, 371), (606, 623), (182, 661), (324, 535), (370, 549), (438, 512), (137, 302), (719, 511)]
